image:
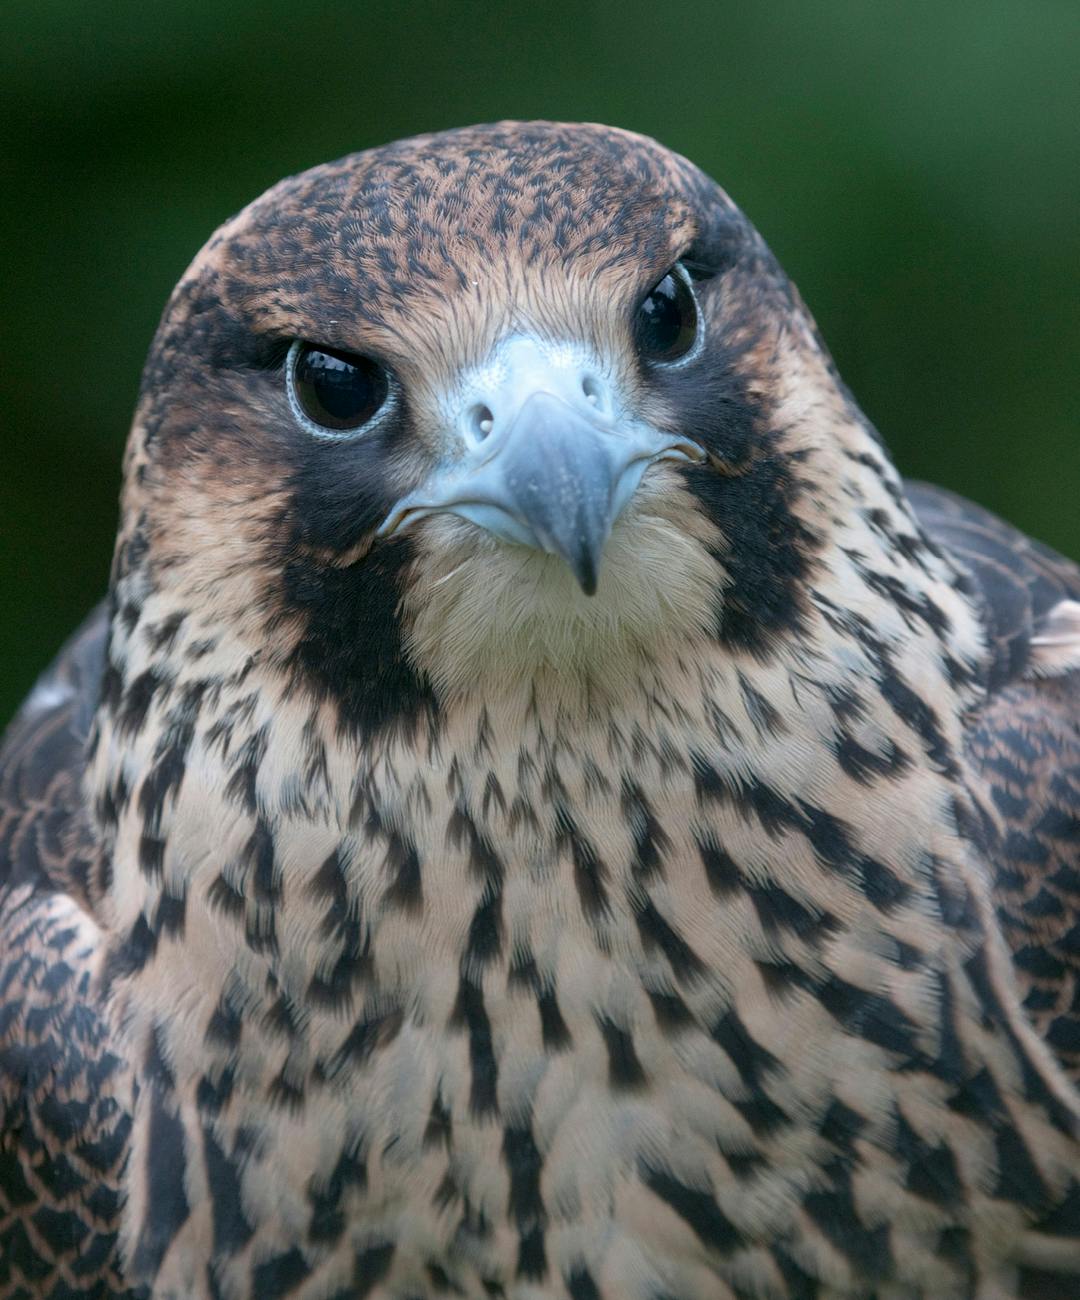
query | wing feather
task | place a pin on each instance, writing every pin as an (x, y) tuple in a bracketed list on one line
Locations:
[(65, 1089), (1024, 746)]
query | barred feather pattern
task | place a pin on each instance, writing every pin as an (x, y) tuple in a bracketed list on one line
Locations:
[(549, 990)]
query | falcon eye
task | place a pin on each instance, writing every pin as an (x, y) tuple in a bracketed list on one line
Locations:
[(666, 326), (332, 392)]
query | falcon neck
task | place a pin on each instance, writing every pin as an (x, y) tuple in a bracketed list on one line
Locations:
[(222, 788)]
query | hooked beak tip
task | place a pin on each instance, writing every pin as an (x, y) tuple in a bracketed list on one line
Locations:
[(581, 554), (587, 577)]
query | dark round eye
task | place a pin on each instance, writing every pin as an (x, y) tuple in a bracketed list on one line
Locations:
[(337, 391), (667, 320)]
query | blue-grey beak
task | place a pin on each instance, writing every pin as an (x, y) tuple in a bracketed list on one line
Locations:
[(544, 457)]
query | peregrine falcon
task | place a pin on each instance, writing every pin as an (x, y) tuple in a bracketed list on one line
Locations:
[(545, 810)]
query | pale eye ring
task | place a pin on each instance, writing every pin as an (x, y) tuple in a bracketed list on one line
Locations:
[(667, 324), (334, 394)]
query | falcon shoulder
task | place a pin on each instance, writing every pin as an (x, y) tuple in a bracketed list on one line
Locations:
[(64, 1089), (1024, 748)]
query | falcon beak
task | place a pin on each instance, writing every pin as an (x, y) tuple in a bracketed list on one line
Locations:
[(545, 457)]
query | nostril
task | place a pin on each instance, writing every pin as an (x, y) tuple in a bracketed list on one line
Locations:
[(593, 393), (481, 421)]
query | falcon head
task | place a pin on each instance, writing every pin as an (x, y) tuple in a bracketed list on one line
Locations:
[(477, 407)]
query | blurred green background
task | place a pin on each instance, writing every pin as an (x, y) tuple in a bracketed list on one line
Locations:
[(915, 166)]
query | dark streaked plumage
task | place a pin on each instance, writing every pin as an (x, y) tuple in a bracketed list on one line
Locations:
[(383, 915)]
